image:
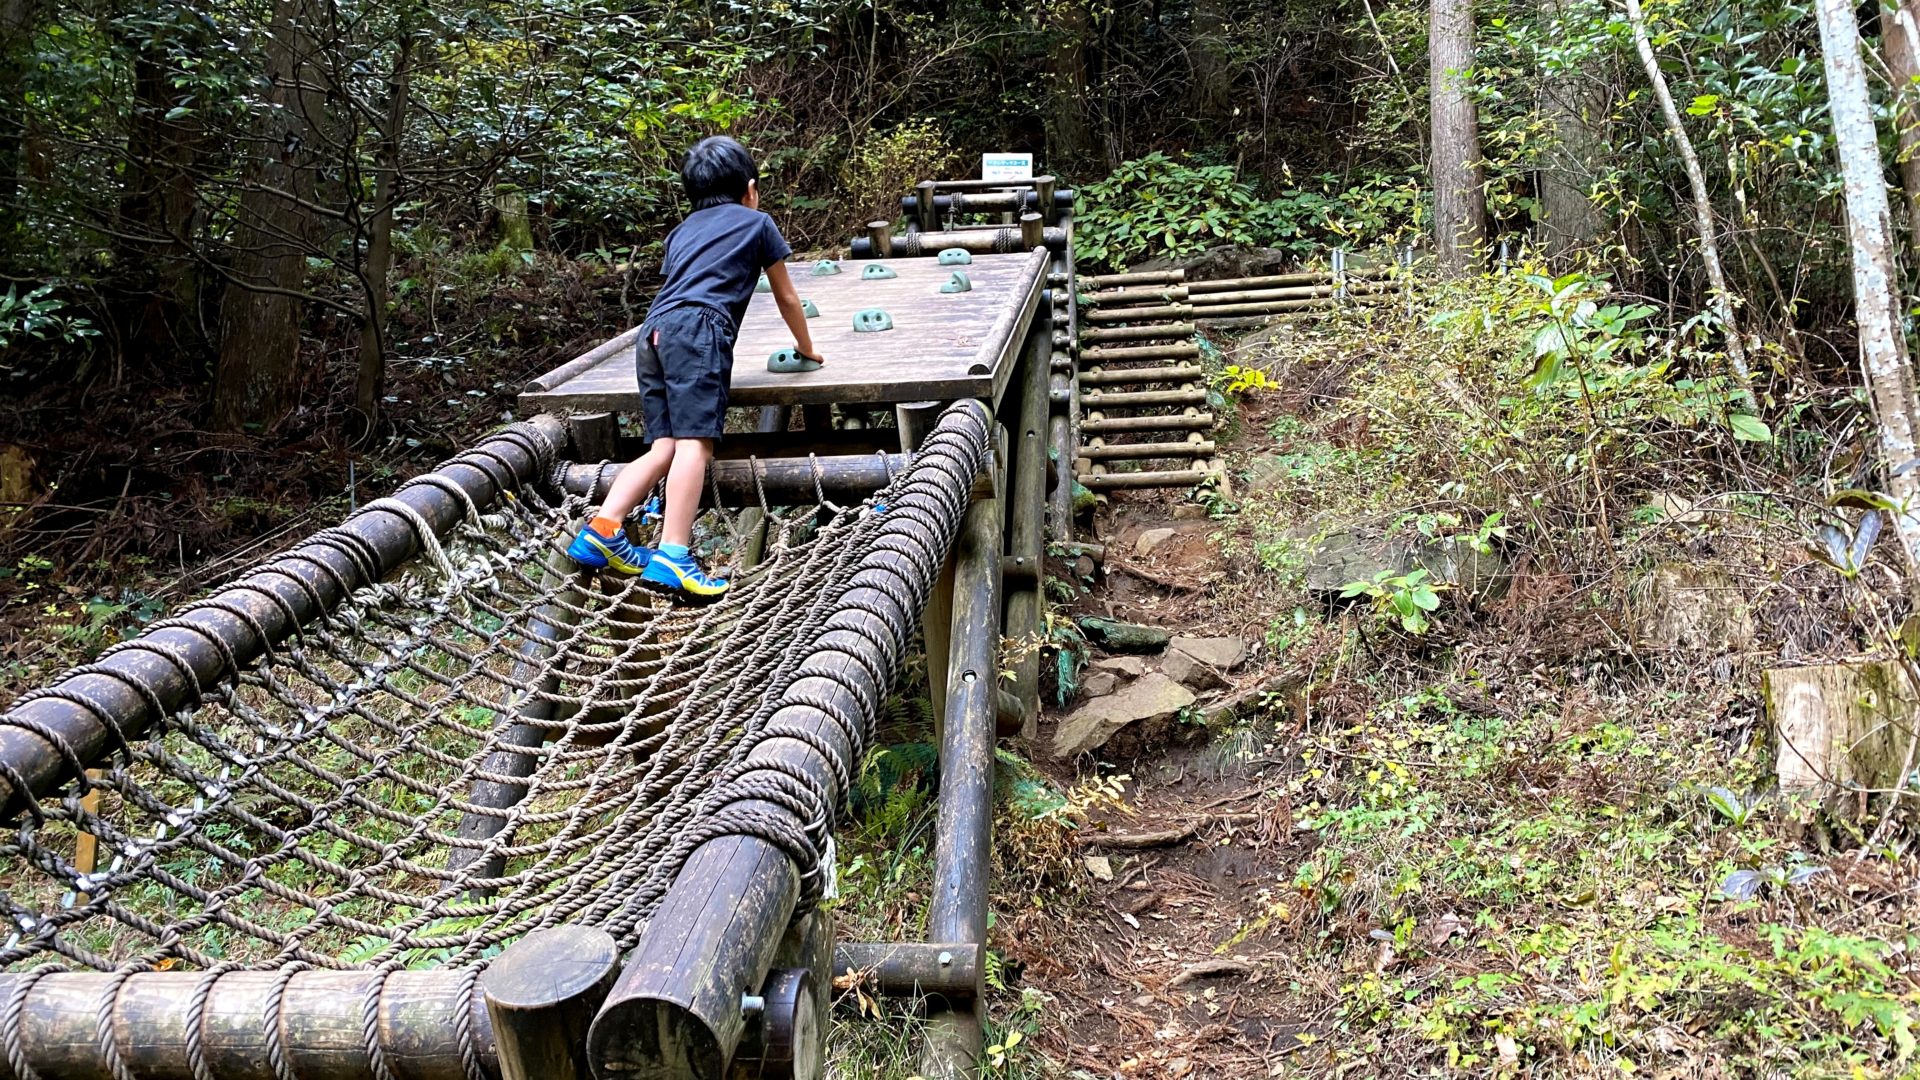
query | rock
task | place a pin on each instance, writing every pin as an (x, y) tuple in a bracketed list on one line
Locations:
[(1144, 544), (1224, 261), (1129, 667), (1264, 473), (1682, 606), (1188, 671), (1666, 506), (1225, 653), (1153, 700), (1123, 637), (1099, 684), (1189, 512), (1100, 867), (1228, 709), (1839, 728), (1347, 555), (1257, 342)]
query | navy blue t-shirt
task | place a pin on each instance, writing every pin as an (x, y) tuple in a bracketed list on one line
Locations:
[(714, 258)]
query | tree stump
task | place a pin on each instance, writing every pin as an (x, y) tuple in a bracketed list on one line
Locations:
[(1840, 726)]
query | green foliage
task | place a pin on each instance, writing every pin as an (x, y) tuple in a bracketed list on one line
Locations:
[(887, 164), (1403, 598), (38, 315)]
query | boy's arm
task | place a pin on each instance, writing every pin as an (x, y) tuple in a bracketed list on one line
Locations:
[(789, 303)]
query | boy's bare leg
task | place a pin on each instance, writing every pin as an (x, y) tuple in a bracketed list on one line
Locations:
[(638, 478), (684, 480)]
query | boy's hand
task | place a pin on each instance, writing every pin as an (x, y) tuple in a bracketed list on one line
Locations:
[(788, 300)]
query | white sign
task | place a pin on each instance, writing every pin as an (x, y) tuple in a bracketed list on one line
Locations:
[(1006, 167)]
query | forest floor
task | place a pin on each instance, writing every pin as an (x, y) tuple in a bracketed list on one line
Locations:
[(1538, 838)]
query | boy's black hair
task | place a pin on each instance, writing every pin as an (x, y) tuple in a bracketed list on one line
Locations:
[(717, 171)]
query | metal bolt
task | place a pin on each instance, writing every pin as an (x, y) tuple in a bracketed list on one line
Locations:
[(752, 1004), (946, 958)]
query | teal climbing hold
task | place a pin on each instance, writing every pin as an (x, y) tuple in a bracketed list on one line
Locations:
[(763, 285), (876, 272), (955, 257), (810, 309), (791, 362), (871, 321), (825, 268), (960, 282)]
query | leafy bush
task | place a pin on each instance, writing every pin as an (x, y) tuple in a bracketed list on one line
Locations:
[(891, 162), (1158, 206)]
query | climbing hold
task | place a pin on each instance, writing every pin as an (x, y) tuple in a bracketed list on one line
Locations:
[(955, 257), (763, 285), (876, 272), (791, 362), (960, 282), (810, 309), (871, 321), (825, 268)]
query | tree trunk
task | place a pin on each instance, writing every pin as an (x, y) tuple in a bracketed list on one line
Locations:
[(1883, 351), (1459, 204), (157, 204), (1569, 221), (1070, 135), (262, 309), (19, 19), (1722, 303), (371, 381), (1900, 41), (1211, 60)]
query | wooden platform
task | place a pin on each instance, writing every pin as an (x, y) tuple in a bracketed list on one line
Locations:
[(942, 346)]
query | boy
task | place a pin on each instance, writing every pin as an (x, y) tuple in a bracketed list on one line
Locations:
[(684, 359)]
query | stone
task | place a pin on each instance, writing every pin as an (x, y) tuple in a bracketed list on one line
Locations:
[(1344, 556), (1189, 671), (1146, 542), (1684, 606), (1123, 637), (1152, 700), (1099, 684), (1189, 512), (1130, 667), (1225, 653), (1234, 706), (1840, 727), (1099, 867), (1482, 575), (1224, 261)]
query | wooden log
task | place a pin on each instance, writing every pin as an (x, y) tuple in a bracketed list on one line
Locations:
[(1277, 281), (1117, 425), (1134, 376), (1139, 399), (592, 436), (427, 1024), (963, 827), (1136, 314), (1185, 350), (1133, 277), (1119, 481), (996, 202), (923, 211), (1026, 514), (290, 585), (1092, 335), (1135, 451), (1164, 294), (993, 240), (586, 361), (1045, 196), (880, 235), (1203, 301), (521, 730), (787, 481), (542, 994), (1063, 393), (1033, 230), (953, 969)]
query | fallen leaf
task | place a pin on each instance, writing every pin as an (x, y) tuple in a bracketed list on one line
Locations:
[(1099, 866)]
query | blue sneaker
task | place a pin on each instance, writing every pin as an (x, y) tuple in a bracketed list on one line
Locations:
[(618, 554), (683, 575)]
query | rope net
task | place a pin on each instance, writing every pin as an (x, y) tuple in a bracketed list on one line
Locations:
[(320, 810)]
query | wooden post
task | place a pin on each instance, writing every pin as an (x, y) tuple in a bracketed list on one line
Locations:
[(925, 209), (1033, 231), (594, 435), (954, 970), (542, 994), (1043, 194), (964, 826), (915, 419), (880, 234)]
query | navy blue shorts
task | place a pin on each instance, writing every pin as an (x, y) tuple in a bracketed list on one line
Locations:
[(684, 359)]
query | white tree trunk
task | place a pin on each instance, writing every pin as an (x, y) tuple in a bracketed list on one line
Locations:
[(1722, 303), (1883, 351), (1900, 43), (1459, 205)]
